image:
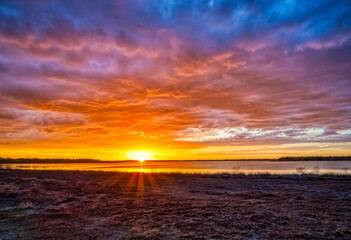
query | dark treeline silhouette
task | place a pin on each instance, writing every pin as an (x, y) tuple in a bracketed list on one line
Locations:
[(316, 158), (68, 160), (49, 160)]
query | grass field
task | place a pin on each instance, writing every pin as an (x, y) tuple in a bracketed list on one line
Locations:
[(106, 205)]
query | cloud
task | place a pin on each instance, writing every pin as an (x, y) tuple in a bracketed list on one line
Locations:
[(258, 135), (195, 71)]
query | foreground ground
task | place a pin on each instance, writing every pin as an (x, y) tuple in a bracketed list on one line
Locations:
[(98, 205)]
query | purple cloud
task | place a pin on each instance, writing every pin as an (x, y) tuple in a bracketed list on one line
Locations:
[(207, 71)]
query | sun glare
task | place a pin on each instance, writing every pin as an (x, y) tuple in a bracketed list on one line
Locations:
[(139, 155)]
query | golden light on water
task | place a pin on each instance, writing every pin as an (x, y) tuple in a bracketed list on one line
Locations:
[(140, 155)]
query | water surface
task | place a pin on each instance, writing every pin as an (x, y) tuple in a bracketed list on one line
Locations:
[(273, 167)]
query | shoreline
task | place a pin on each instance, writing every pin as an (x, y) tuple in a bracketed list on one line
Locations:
[(97, 161), (199, 167), (239, 174), (113, 205)]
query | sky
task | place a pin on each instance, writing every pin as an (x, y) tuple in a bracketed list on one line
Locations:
[(175, 79)]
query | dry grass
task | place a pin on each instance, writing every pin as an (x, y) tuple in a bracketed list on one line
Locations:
[(103, 205)]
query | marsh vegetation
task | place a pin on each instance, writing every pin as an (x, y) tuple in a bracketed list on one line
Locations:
[(110, 205)]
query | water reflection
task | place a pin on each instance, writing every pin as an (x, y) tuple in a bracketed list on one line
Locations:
[(246, 167)]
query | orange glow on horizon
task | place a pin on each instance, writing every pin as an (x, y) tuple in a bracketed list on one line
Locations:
[(140, 155), (148, 88)]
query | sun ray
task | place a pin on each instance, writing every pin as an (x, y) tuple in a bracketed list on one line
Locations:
[(113, 180), (131, 182), (154, 186), (140, 187)]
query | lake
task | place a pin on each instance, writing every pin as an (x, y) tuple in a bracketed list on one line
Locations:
[(247, 167)]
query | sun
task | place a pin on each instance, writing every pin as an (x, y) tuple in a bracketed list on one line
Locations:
[(139, 155)]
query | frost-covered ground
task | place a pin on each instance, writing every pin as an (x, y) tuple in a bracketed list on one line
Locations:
[(107, 205)]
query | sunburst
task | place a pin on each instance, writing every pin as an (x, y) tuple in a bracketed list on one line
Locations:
[(139, 155)]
